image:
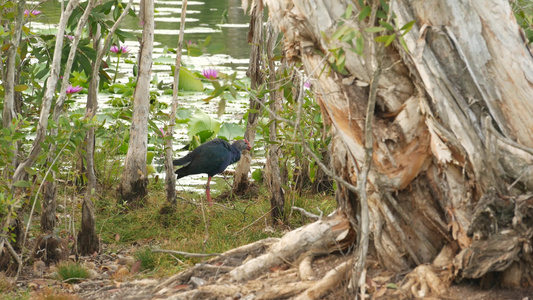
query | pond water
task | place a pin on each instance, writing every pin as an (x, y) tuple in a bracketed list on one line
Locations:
[(223, 21)]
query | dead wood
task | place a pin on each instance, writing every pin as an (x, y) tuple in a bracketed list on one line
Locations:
[(284, 291), (305, 269), (270, 268), (331, 280), (327, 235)]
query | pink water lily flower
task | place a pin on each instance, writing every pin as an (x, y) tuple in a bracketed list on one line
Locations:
[(32, 13), (210, 73), (119, 50), (73, 89)]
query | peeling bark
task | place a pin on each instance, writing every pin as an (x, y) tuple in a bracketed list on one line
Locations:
[(453, 120)]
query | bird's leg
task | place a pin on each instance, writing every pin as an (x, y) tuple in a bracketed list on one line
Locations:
[(208, 192)]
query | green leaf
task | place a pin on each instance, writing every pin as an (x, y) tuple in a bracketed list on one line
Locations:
[(349, 11), (404, 45), (391, 286), (382, 38), (381, 15), (149, 157), (200, 121), (391, 38), (205, 135), (348, 37), (221, 107), (365, 12), (407, 27), (340, 32), (257, 175), (20, 87), (231, 131), (188, 81), (359, 45), (215, 48), (384, 5), (22, 183), (386, 25), (374, 29)]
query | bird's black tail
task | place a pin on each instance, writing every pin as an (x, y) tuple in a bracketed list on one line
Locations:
[(182, 161)]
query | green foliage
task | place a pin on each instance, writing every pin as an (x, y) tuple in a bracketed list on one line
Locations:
[(226, 87), (231, 131), (149, 260), (202, 127), (347, 33), (188, 81), (72, 272), (523, 11)]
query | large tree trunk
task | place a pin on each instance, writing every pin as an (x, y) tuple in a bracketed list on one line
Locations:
[(453, 121), (134, 181)]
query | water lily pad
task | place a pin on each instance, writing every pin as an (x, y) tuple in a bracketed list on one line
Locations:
[(200, 122), (188, 81), (231, 131)]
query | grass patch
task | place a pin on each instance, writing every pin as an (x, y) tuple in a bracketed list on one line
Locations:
[(6, 284), (71, 272), (149, 260), (184, 228)]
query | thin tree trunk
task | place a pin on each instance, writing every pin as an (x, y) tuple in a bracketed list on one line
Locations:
[(134, 181), (8, 112), (170, 179), (87, 238), (277, 199), (49, 202), (255, 39), (51, 84)]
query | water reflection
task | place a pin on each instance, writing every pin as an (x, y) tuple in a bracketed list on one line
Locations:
[(225, 21)]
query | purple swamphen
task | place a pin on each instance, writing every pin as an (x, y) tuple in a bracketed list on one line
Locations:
[(212, 158)]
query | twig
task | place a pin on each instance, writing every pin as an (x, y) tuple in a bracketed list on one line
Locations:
[(510, 142), (363, 236), (258, 219), (187, 254), (206, 225), (176, 258), (306, 213), (11, 251)]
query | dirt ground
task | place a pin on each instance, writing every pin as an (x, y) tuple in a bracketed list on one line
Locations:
[(109, 282)]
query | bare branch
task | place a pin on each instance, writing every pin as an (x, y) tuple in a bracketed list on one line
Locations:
[(306, 213), (187, 254)]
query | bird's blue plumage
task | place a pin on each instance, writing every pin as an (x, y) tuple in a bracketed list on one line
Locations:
[(211, 158)]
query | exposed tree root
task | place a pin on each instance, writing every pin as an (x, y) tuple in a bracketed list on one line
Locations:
[(501, 233), (271, 268), (332, 279)]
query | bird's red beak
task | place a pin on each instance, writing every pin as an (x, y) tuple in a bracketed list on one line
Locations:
[(249, 147)]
